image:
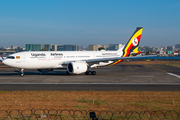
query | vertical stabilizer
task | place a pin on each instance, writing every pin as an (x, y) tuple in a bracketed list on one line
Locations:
[(132, 45)]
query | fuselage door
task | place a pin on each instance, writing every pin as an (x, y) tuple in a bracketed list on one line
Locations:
[(23, 58)]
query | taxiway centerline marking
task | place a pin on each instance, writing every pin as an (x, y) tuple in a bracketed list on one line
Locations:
[(158, 69), (178, 76)]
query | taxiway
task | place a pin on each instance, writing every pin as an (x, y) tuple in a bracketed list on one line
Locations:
[(117, 77)]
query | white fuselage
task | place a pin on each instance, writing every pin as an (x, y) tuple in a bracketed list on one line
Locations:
[(56, 59)]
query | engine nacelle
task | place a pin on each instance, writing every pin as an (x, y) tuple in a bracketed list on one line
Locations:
[(77, 67)]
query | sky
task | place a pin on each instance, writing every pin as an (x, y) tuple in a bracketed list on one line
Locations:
[(84, 22)]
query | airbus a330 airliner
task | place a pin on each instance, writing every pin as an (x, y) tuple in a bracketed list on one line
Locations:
[(76, 62)]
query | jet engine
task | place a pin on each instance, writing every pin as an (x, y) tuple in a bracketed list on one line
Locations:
[(77, 67)]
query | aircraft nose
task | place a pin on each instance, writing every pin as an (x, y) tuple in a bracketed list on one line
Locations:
[(4, 62)]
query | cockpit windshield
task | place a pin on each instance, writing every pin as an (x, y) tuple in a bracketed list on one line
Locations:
[(10, 57)]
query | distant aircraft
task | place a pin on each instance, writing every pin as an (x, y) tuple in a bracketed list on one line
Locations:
[(174, 51), (135, 53), (76, 62)]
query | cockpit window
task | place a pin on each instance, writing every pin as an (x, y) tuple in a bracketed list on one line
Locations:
[(10, 57)]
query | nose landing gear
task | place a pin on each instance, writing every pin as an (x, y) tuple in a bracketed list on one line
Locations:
[(22, 72)]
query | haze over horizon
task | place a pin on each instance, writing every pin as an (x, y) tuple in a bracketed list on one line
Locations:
[(88, 22)]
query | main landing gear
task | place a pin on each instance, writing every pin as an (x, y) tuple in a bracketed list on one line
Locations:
[(90, 73), (22, 72)]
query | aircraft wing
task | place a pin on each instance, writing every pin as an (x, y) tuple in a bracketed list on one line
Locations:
[(117, 58), (91, 61)]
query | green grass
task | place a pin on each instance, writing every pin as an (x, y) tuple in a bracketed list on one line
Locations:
[(85, 100), (81, 107), (92, 101), (173, 64), (1, 92)]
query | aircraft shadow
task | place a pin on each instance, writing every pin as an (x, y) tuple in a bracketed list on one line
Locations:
[(61, 73)]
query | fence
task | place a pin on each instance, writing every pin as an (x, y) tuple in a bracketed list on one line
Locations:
[(45, 114)]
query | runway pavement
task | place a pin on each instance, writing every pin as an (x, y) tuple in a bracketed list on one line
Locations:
[(90, 87), (117, 77)]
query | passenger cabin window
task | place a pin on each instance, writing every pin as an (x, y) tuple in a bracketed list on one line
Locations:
[(10, 57)]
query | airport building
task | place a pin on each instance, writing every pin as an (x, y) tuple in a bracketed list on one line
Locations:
[(38, 47), (114, 46), (81, 48), (54, 47), (147, 49), (177, 46), (169, 48), (50, 47), (95, 47), (92, 48), (47, 47), (20, 49), (14, 47), (6, 52), (33, 47), (67, 48)]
